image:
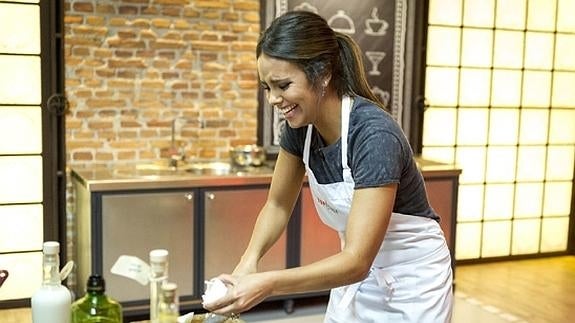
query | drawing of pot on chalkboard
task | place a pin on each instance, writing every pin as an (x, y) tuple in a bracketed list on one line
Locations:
[(342, 23), (375, 26), (306, 7)]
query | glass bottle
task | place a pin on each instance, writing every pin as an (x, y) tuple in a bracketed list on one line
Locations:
[(168, 307), (158, 276), (52, 301), (96, 306)]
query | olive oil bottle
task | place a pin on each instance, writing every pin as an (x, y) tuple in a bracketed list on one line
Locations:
[(96, 306)]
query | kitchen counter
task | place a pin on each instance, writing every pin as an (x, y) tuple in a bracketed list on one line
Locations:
[(186, 212), (101, 180)]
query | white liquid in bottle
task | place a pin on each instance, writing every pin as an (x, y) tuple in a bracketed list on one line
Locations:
[(52, 302)]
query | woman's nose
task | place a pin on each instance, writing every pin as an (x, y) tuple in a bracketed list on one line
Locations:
[(274, 99)]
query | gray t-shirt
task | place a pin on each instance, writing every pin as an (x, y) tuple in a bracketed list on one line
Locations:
[(378, 154)]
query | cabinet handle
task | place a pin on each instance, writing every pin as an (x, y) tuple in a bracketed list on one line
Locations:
[(211, 196), (189, 196)]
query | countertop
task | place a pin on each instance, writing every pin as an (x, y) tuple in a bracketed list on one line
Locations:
[(101, 180)]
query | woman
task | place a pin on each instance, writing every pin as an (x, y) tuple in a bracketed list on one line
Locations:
[(394, 264)]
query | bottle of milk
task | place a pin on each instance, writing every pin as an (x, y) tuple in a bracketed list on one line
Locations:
[(52, 302)]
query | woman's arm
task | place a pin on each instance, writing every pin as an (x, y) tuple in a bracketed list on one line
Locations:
[(368, 220), (274, 216)]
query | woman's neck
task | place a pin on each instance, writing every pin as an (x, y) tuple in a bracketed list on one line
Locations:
[(329, 121)]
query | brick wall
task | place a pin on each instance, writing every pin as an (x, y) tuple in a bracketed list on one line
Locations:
[(132, 66)]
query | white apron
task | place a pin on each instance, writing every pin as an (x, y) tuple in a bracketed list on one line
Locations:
[(410, 279)]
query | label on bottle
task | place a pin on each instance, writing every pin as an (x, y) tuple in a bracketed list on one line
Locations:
[(133, 268)]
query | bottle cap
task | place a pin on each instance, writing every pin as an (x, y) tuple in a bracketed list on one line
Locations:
[(51, 247), (96, 284), (159, 255), (169, 287)]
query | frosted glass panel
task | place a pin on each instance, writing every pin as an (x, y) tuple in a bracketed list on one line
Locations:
[(20, 179), (501, 164), (565, 21), (565, 52), (23, 125), (496, 239), (503, 126), (536, 89), (470, 203), (562, 128), (563, 94), (479, 13), (468, 240), (498, 201), (560, 161), (474, 87), (476, 47), (508, 50), (25, 275), (528, 200), (541, 15), (554, 234), (472, 163), (525, 236), (539, 50), (506, 88), (531, 163), (445, 12), (440, 154), (20, 80), (472, 127), (439, 129), (443, 46), (511, 14), (19, 29), (557, 201), (533, 128), (25, 231), (441, 86)]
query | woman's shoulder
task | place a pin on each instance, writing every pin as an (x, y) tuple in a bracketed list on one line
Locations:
[(367, 113)]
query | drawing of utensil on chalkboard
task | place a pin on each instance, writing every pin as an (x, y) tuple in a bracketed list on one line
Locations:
[(342, 23), (375, 58), (383, 95), (375, 26)]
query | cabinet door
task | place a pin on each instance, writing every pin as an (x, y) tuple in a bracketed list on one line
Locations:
[(135, 224), (318, 241), (230, 216)]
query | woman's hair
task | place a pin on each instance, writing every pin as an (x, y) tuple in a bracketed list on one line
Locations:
[(305, 39)]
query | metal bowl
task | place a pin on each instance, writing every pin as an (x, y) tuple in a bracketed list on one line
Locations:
[(247, 155)]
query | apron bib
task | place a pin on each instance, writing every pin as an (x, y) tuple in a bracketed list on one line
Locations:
[(410, 279)]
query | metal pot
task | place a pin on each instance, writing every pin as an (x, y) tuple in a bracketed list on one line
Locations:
[(247, 155)]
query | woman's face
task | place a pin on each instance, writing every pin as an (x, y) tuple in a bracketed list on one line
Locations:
[(288, 90)]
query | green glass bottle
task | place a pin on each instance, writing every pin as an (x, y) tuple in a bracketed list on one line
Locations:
[(95, 306)]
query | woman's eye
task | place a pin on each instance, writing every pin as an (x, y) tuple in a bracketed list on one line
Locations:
[(284, 86)]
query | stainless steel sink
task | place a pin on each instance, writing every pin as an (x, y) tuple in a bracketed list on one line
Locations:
[(208, 167)]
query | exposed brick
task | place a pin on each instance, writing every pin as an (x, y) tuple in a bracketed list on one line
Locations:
[(83, 7), (129, 75), (128, 10)]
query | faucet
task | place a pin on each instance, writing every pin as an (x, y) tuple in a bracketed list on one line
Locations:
[(177, 154)]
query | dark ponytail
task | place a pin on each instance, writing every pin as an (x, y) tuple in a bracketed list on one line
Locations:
[(305, 39), (352, 69)]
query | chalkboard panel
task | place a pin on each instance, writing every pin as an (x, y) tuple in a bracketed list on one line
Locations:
[(376, 25)]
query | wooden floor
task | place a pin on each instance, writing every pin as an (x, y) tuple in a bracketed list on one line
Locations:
[(540, 291)]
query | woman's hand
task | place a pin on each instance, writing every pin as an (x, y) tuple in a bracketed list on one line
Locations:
[(244, 292)]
